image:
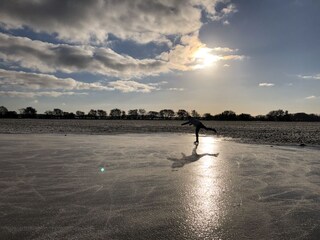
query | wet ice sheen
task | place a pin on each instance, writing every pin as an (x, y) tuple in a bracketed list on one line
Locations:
[(53, 187)]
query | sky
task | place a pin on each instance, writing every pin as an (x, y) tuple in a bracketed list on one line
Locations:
[(247, 56)]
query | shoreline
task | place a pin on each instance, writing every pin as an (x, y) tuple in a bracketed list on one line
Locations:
[(271, 133)]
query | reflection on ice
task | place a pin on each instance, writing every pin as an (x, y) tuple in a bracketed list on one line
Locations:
[(202, 196), (180, 162)]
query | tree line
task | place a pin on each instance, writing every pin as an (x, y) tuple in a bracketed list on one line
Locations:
[(164, 114)]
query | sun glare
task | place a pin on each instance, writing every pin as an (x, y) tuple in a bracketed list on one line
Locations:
[(204, 58)]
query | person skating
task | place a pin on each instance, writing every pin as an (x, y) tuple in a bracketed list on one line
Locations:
[(198, 125)]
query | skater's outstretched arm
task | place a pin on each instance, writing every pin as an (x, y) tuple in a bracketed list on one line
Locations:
[(186, 123)]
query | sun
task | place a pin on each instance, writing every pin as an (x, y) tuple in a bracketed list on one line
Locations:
[(204, 58)]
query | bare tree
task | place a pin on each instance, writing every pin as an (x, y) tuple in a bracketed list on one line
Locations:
[(142, 113), (152, 115), (49, 114), (245, 117), (227, 115), (207, 116), (115, 113), (123, 115), (102, 114), (276, 115), (133, 114), (195, 114), (3, 111), (166, 113), (92, 113), (57, 112), (28, 112), (80, 114), (182, 114)]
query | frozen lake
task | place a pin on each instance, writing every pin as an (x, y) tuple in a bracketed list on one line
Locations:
[(156, 186)]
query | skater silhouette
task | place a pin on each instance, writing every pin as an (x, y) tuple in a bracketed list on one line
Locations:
[(198, 125)]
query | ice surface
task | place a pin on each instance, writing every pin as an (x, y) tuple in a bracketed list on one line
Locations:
[(155, 186)]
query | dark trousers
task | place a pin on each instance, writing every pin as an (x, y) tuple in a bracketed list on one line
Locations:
[(204, 127)]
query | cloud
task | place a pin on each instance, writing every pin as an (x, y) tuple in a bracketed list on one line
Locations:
[(223, 9), (230, 9), (92, 21), (226, 22), (224, 49), (176, 89), (47, 58), (85, 27), (184, 56), (233, 57), (37, 94), (36, 81), (315, 77), (83, 30), (266, 84), (158, 83), (311, 97), (131, 86), (181, 57)]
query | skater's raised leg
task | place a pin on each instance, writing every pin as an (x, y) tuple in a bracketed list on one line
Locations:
[(211, 129)]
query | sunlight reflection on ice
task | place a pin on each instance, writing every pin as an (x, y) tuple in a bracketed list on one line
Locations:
[(203, 194), (208, 146)]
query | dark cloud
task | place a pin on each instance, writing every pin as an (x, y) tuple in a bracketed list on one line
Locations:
[(35, 81), (13, 80), (81, 20), (46, 57)]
